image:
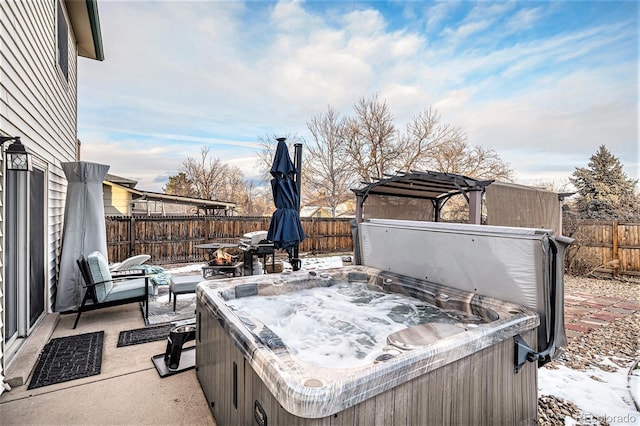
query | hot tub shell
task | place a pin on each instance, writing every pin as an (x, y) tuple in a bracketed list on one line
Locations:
[(465, 378)]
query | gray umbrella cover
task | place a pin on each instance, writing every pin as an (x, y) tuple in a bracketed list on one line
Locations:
[(84, 228)]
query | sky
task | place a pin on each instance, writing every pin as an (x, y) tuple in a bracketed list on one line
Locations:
[(543, 83)]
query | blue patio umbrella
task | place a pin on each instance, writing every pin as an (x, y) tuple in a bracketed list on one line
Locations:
[(285, 229)]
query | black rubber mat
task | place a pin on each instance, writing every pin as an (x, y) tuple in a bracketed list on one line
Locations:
[(187, 362), (143, 335), (68, 358)]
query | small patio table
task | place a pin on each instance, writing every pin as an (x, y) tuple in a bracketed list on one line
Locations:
[(181, 285)]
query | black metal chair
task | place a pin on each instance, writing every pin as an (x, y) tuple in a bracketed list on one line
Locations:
[(105, 290)]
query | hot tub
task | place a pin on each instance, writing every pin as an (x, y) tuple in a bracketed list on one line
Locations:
[(431, 353)]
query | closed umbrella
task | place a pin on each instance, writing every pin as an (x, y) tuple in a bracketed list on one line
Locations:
[(84, 228), (285, 229)]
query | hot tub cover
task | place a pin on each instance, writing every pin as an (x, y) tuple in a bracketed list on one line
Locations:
[(517, 265)]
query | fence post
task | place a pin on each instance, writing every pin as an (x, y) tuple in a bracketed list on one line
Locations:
[(132, 230), (616, 258)]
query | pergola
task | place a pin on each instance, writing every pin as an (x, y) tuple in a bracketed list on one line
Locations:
[(435, 187)]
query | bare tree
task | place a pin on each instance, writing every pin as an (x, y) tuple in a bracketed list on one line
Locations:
[(342, 151), (206, 174), (211, 179), (424, 136), (267, 150), (233, 186), (456, 156), (265, 159), (328, 170), (259, 201), (371, 139)]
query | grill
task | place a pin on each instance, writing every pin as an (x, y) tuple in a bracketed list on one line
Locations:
[(255, 244)]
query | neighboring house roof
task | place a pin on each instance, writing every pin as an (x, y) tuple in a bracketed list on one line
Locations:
[(83, 15), (321, 208), (314, 211), (346, 209), (138, 195), (199, 202), (129, 183), (124, 187)]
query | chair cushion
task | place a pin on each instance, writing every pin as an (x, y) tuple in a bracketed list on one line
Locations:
[(127, 289), (183, 286), (130, 263), (99, 269)]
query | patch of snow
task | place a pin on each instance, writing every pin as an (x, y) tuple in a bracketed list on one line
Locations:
[(192, 267), (599, 393), (634, 385), (312, 263)]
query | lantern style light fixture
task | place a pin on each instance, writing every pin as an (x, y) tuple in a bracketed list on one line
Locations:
[(17, 156)]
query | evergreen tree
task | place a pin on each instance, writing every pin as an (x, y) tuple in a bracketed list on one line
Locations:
[(179, 185), (605, 191)]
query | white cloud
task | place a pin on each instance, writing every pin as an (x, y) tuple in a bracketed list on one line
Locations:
[(465, 30), (364, 23), (437, 13), (481, 16), (290, 17), (406, 45), (524, 19)]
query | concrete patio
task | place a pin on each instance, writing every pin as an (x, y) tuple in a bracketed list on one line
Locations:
[(128, 389)]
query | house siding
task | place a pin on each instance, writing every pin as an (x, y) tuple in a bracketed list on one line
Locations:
[(40, 106), (117, 201)]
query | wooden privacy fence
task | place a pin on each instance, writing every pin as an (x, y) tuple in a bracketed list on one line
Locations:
[(172, 239), (611, 247)]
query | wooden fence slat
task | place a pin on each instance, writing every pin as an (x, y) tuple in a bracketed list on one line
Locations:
[(615, 244)]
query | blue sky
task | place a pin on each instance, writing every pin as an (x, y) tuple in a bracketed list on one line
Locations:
[(542, 83)]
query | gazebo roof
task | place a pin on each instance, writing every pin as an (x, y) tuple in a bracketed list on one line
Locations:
[(427, 185)]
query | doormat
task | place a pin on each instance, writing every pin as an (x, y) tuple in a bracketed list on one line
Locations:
[(68, 358), (161, 309), (143, 335)]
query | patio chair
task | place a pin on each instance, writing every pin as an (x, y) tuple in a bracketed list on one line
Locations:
[(105, 290), (129, 263)]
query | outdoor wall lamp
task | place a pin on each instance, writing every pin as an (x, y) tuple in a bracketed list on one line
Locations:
[(17, 156)]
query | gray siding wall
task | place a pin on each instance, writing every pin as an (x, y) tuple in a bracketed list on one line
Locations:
[(38, 104)]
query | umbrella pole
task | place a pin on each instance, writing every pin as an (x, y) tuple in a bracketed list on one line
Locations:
[(297, 163)]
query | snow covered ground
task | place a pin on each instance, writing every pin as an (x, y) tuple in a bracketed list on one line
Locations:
[(608, 396)]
